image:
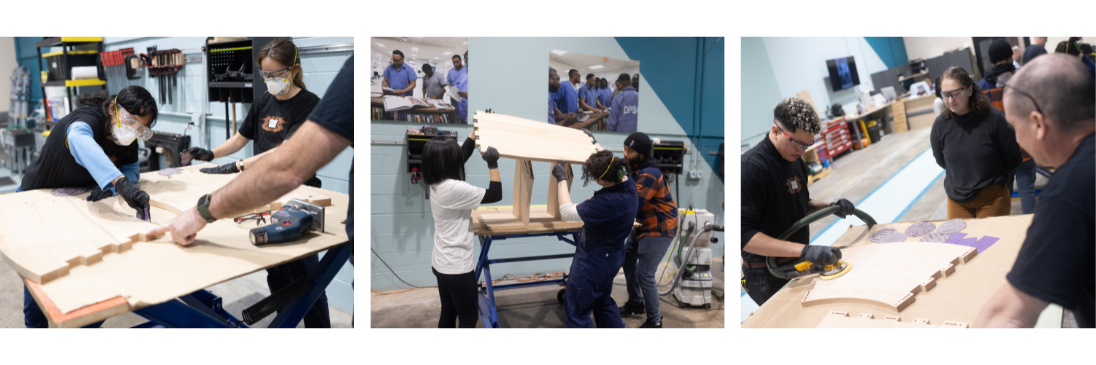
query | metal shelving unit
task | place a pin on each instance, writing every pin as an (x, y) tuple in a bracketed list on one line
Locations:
[(68, 46)]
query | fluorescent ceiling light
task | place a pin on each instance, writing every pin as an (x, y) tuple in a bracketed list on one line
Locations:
[(405, 39), (414, 55), (559, 53), (415, 48), (435, 58), (446, 53), (595, 67), (465, 42), (381, 44)]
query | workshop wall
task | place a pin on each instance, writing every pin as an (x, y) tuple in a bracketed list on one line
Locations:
[(319, 71), (509, 77), (798, 64)]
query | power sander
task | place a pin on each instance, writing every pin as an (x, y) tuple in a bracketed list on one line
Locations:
[(803, 267), (288, 224)]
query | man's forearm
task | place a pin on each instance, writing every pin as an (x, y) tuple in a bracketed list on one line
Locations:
[(762, 244), (1009, 307), (275, 175)]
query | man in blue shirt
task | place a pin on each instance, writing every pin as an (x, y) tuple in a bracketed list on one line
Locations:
[(604, 96), (568, 96), (624, 112), (458, 78), (587, 94), (399, 76), (554, 91)]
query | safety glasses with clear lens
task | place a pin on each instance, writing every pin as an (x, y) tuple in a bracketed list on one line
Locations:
[(276, 74), (143, 133)]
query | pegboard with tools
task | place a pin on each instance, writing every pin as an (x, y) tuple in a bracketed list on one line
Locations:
[(165, 65)]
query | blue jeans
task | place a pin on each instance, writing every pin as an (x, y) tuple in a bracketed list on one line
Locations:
[(1025, 184), (641, 258)]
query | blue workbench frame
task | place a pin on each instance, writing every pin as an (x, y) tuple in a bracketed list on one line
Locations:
[(202, 309), (487, 312)]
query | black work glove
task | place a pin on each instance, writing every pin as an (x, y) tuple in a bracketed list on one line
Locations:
[(821, 255), (136, 198), (228, 168), (98, 194), (591, 134), (560, 172), (846, 207), (491, 155), (196, 153)]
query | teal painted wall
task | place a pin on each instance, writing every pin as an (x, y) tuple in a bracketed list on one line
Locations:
[(892, 50), (319, 71), (508, 76)]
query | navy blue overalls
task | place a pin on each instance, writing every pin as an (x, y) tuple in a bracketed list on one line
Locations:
[(607, 221)]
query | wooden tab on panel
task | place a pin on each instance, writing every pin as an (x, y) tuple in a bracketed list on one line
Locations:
[(928, 285), (904, 302), (893, 318), (969, 255), (955, 324), (866, 315), (947, 271), (920, 321), (839, 313)]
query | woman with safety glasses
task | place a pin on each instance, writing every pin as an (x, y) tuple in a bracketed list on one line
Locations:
[(94, 145), (273, 117), (976, 147)]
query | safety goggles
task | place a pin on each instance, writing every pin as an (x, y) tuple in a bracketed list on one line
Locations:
[(800, 145), (123, 116), (276, 74), (952, 94)]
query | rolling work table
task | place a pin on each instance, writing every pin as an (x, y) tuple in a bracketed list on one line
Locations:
[(65, 248)]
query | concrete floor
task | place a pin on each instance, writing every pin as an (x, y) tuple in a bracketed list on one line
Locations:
[(236, 294), (536, 307)]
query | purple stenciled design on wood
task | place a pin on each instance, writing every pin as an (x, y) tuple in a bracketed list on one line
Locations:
[(169, 172), (63, 192), (979, 243)]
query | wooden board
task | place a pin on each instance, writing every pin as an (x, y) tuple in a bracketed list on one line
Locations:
[(520, 138), (837, 319), (900, 124), (144, 273), (889, 274), (487, 222), (955, 298)]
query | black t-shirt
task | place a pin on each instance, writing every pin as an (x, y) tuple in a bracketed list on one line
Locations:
[(55, 166), (1057, 262), (976, 151), (271, 121), (774, 196), (336, 113)]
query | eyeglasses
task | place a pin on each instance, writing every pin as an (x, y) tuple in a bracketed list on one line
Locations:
[(1007, 86), (800, 145), (952, 94)]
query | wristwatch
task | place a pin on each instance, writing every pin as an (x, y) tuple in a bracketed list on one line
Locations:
[(203, 208)]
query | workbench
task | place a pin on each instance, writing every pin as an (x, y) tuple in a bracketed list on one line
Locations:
[(956, 298), (564, 231), (65, 249)]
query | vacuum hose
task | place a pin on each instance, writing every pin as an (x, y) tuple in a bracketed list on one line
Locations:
[(811, 218), (689, 253)]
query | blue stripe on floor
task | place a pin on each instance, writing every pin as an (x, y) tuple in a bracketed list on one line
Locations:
[(891, 203)]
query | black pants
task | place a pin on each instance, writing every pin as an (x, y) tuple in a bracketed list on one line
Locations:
[(458, 299), (278, 277), (761, 284)]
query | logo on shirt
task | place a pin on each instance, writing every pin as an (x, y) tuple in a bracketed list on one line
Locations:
[(273, 123), (794, 185)]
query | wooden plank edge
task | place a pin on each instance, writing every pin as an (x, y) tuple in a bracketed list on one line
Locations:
[(97, 311)]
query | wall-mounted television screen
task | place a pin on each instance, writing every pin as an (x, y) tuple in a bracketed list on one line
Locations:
[(843, 73)]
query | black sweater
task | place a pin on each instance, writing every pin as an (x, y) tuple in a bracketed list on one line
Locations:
[(975, 151), (494, 189)]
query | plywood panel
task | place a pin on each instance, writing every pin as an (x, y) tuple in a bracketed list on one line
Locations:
[(888, 274), (520, 138), (865, 320), (956, 298), (36, 228)]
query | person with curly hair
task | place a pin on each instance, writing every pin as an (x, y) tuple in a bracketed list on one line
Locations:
[(775, 196), (607, 219)]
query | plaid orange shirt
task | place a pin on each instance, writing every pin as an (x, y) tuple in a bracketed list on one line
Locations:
[(657, 215)]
